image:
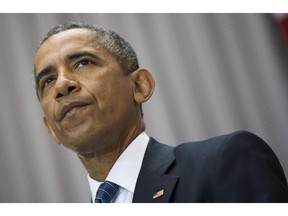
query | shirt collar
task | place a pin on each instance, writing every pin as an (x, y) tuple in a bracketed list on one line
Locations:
[(127, 167)]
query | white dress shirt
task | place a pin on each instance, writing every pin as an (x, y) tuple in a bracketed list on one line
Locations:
[(125, 171)]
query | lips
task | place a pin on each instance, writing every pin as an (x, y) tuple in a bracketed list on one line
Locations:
[(70, 106)]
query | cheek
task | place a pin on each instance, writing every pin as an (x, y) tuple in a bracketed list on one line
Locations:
[(103, 88), (48, 111), (113, 97)]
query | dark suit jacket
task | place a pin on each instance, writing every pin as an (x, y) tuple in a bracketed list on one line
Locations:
[(239, 167)]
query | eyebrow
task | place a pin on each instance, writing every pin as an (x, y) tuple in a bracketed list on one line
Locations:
[(42, 73), (81, 54)]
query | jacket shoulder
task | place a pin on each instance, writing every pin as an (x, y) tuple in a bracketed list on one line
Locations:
[(213, 145), (238, 139)]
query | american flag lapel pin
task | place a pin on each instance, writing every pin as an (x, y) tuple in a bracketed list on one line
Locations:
[(158, 194)]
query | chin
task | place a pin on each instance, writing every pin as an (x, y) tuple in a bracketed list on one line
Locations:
[(80, 149), (86, 144)]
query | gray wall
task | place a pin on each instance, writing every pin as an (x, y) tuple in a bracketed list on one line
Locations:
[(215, 73)]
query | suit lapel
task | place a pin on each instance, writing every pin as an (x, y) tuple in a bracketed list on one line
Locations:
[(153, 184)]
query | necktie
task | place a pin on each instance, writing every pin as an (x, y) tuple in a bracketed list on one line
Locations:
[(106, 191)]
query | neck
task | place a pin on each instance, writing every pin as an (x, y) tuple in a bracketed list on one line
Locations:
[(98, 165)]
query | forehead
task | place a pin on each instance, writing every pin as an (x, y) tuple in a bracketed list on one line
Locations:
[(63, 43)]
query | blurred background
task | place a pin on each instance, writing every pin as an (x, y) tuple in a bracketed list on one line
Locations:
[(215, 74)]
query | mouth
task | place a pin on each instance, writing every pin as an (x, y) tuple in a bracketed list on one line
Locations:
[(70, 108)]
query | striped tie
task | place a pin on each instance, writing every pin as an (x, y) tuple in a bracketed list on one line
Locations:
[(106, 191)]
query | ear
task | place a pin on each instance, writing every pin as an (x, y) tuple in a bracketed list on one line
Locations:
[(51, 131), (144, 85)]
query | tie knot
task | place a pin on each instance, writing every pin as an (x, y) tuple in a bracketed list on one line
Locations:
[(106, 191)]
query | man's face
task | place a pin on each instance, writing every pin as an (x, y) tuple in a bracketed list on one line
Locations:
[(85, 95)]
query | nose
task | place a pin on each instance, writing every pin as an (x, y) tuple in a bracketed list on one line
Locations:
[(65, 85)]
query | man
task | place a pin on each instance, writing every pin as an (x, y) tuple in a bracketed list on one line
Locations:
[(91, 88)]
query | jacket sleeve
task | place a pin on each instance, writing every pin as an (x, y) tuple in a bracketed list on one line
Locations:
[(247, 170)]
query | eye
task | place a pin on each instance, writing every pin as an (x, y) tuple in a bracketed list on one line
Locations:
[(47, 81), (83, 63)]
